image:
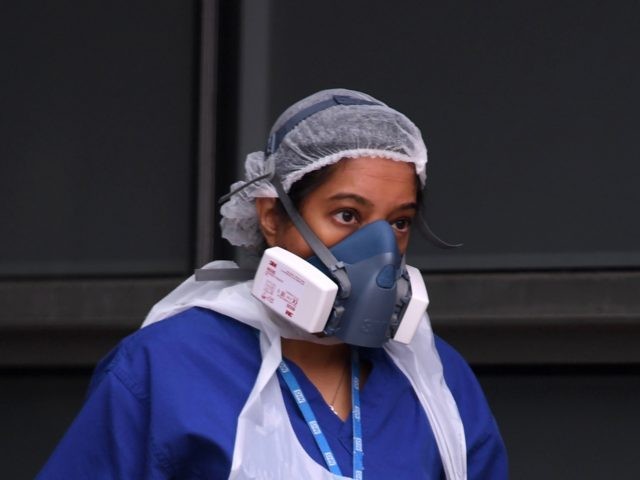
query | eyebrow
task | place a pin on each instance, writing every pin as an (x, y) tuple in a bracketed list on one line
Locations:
[(363, 201)]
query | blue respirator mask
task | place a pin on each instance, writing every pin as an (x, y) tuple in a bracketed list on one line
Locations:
[(359, 290), (380, 287)]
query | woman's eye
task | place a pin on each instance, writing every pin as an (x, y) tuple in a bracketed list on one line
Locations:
[(347, 217), (401, 225)]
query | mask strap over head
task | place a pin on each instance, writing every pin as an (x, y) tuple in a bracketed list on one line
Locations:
[(335, 267), (275, 139), (322, 252), (424, 228)]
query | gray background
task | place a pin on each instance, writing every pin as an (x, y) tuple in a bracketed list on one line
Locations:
[(122, 122)]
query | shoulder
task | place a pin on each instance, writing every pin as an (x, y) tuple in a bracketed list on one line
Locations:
[(164, 403), (486, 454), (457, 372), (462, 383), (193, 329), (196, 344), (461, 380), (192, 325)]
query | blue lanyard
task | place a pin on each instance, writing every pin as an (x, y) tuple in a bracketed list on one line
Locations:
[(358, 453), (310, 418)]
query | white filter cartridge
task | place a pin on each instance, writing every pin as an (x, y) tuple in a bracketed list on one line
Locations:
[(416, 308), (294, 289)]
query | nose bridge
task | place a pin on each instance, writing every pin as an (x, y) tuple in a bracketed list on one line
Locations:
[(381, 226), (386, 230), (368, 241), (374, 218), (383, 234), (380, 209)]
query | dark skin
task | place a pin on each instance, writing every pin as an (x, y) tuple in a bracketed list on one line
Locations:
[(357, 192)]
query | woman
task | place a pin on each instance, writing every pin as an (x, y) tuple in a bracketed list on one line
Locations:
[(217, 386)]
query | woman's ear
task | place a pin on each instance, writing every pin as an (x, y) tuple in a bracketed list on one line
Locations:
[(268, 219)]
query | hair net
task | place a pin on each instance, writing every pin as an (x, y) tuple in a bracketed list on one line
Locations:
[(310, 142)]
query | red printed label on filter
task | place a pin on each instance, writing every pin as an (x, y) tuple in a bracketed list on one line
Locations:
[(282, 288)]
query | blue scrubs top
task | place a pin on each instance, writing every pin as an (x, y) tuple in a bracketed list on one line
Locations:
[(164, 404)]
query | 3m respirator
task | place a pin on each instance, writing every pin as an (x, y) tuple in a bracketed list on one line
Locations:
[(386, 300), (359, 290)]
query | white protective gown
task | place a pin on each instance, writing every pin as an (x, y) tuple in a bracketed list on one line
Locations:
[(264, 433)]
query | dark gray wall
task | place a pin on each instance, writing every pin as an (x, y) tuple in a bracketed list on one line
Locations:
[(98, 132), (528, 109)]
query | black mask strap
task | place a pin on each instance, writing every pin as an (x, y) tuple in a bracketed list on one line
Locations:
[(334, 266), (275, 139), (424, 228)]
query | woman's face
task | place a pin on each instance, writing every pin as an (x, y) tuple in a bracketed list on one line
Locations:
[(357, 192)]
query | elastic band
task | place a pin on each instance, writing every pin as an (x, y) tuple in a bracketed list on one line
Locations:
[(224, 198), (275, 139), (432, 237), (334, 266)]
